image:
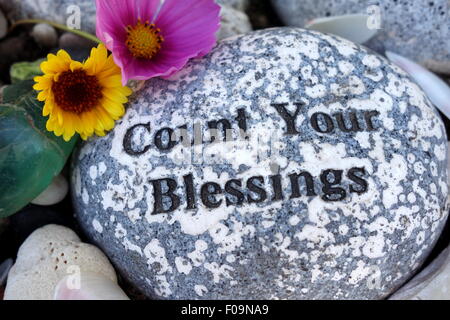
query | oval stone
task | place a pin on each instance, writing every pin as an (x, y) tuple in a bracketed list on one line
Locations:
[(286, 164), (418, 30)]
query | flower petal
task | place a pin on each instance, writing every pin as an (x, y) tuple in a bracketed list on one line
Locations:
[(193, 34), (113, 16)]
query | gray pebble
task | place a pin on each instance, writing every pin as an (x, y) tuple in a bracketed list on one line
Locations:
[(233, 22), (45, 35)]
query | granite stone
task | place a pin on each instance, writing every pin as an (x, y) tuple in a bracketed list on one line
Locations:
[(78, 14), (419, 30), (330, 182)]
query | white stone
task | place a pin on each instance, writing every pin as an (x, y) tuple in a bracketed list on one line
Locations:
[(55, 192), (433, 283), (92, 286), (47, 256), (237, 4), (45, 35), (233, 22)]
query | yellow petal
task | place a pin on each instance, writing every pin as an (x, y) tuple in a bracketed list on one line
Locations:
[(75, 65), (49, 125), (42, 95), (48, 108), (115, 95), (64, 56), (116, 110), (105, 118), (111, 82), (69, 129)]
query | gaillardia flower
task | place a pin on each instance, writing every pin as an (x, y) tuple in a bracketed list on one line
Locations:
[(82, 98), (151, 38)]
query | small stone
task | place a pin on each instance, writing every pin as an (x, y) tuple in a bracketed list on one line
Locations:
[(55, 192), (233, 22), (17, 49), (240, 5), (286, 164), (5, 266), (405, 25), (45, 35), (70, 40), (3, 25), (433, 283), (46, 257)]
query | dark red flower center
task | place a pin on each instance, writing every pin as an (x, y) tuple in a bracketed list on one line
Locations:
[(76, 91), (144, 40)]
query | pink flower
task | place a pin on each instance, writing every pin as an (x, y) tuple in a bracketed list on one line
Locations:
[(153, 38)]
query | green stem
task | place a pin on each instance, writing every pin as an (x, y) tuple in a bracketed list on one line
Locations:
[(58, 26)]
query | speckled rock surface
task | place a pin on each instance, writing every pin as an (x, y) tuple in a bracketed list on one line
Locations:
[(233, 220), (67, 12), (415, 29), (233, 22)]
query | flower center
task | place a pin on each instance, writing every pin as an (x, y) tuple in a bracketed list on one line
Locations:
[(77, 92), (144, 40)]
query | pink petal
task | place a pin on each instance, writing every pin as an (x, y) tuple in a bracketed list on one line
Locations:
[(189, 29), (113, 16)]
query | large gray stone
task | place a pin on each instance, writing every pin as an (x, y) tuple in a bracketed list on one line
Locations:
[(419, 30), (73, 13), (358, 232)]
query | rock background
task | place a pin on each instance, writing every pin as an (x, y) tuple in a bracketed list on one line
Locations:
[(418, 30)]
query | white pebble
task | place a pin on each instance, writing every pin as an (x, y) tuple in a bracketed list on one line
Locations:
[(3, 25), (55, 192), (46, 257), (233, 22), (45, 35), (91, 286)]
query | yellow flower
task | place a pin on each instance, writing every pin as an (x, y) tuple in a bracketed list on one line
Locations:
[(84, 98)]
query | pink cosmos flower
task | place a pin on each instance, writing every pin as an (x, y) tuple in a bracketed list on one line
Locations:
[(151, 38)]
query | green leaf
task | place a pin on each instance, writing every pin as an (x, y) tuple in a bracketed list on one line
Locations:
[(25, 70), (30, 156)]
